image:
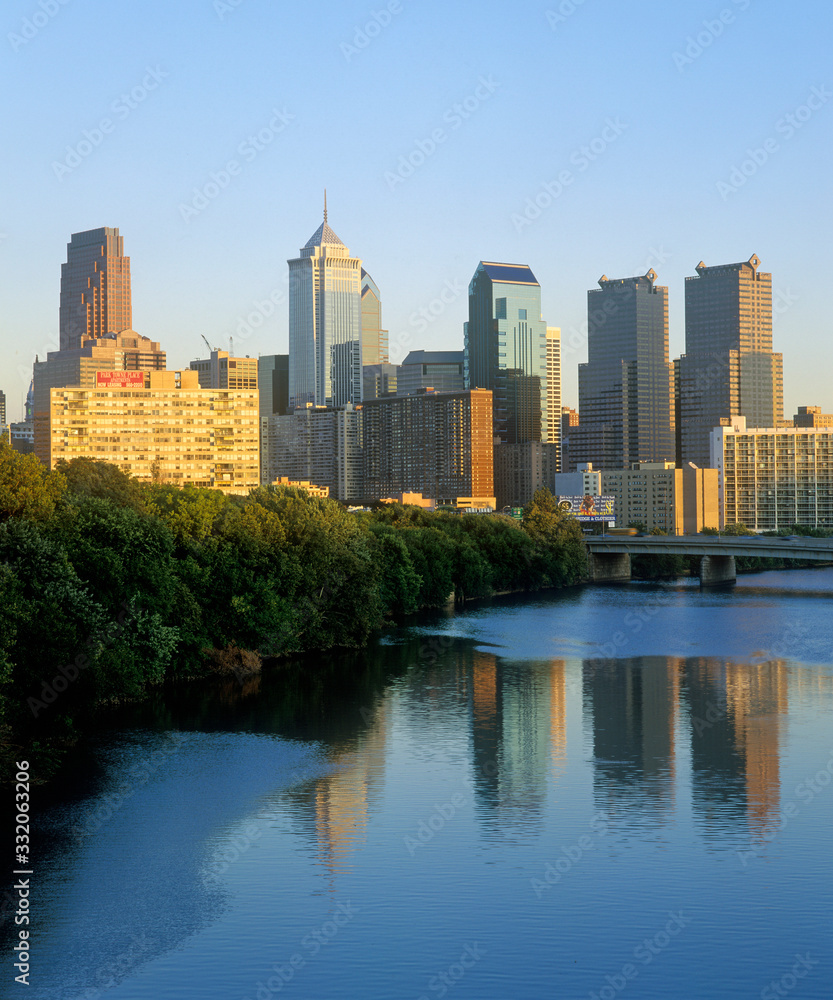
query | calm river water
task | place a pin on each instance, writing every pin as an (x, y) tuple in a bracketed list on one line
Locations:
[(604, 792)]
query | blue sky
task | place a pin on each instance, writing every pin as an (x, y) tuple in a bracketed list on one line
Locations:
[(652, 134)]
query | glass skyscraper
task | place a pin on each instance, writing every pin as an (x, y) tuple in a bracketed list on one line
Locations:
[(374, 338), (95, 287), (325, 322), (506, 349), (729, 368), (626, 387)]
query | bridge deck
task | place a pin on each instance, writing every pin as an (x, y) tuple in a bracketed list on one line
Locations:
[(713, 545)]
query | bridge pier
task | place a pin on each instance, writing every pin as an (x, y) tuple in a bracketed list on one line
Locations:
[(717, 569), (609, 567)]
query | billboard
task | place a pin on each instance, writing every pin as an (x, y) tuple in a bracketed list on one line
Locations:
[(120, 380), (588, 508)]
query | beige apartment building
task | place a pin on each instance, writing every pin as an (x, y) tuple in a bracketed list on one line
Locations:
[(658, 495), (157, 426), (772, 478)]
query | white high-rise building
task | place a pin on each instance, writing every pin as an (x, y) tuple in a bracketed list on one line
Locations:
[(325, 322)]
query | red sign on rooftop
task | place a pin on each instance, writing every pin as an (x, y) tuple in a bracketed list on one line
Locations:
[(120, 380)]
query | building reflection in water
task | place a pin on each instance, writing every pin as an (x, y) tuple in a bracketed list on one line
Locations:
[(737, 709), (518, 726), (335, 807), (639, 713), (632, 708)]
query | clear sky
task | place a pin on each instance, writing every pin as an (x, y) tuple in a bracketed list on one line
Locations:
[(653, 134)]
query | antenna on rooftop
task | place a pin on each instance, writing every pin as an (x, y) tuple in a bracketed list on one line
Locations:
[(325, 204)]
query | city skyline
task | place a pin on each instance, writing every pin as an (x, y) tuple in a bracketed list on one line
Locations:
[(635, 157)]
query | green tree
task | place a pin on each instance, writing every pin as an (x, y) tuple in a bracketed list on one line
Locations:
[(27, 489), (90, 477)]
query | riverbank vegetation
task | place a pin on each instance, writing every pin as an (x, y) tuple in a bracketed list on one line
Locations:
[(109, 586)]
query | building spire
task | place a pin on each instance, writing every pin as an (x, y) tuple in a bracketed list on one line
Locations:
[(325, 204)]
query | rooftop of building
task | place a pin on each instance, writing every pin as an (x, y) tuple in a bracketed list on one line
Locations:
[(518, 274), (434, 358), (323, 236)]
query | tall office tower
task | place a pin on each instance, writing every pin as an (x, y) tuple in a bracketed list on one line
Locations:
[(221, 371), (437, 444), (95, 287), (374, 338), (625, 389), (2, 410), (728, 368), (506, 349), (554, 391), (273, 384), (325, 322), (440, 370)]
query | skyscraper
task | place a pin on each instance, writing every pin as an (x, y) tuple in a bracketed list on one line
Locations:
[(554, 391), (625, 389), (729, 368), (325, 322), (506, 349), (95, 287), (374, 338)]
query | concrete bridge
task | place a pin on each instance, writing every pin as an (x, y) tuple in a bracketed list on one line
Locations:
[(609, 556)]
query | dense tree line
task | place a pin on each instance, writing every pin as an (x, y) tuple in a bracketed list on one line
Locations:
[(108, 586)]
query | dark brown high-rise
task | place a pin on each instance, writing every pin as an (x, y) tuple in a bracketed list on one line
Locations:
[(729, 368), (95, 287)]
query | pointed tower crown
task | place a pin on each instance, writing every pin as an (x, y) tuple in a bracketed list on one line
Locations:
[(323, 236)]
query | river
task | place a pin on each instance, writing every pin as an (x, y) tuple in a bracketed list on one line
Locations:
[(601, 792)]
